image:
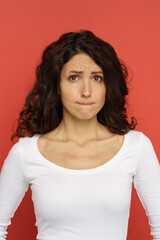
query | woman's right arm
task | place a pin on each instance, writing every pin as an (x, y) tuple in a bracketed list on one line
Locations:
[(13, 186)]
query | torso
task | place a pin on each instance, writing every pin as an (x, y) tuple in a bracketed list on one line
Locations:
[(69, 154)]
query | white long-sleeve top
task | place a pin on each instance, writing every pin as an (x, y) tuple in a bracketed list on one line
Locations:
[(86, 204)]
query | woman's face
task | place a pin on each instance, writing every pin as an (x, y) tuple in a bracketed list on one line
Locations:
[(82, 87)]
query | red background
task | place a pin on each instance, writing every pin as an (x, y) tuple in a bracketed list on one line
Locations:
[(27, 27)]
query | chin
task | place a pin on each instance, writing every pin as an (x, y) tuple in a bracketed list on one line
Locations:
[(86, 117)]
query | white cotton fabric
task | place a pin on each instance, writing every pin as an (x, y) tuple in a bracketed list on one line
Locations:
[(88, 204)]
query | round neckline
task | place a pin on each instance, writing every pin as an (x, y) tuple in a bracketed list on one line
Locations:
[(79, 171)]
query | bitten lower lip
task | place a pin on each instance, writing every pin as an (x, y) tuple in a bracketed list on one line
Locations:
[(85, 103)]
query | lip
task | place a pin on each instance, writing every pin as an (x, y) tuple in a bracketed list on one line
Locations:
[(85, 103)]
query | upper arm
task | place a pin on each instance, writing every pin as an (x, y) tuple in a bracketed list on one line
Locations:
[(13, 186), (147, 184)]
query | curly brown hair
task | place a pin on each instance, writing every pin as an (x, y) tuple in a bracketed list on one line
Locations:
[(43, 110)]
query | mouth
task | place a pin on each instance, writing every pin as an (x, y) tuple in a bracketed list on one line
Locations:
[(85, 103)]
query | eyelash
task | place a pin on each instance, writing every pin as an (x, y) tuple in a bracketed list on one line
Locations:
[(94, 76)]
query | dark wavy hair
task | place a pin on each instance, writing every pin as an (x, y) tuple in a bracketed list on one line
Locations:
[(43, 110)]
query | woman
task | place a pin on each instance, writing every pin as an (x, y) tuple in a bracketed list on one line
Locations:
[(76, 149)]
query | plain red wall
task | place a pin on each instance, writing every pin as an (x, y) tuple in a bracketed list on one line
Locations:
[(27, 27)]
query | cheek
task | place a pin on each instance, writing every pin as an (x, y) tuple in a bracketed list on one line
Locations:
[(101, 93), (68, 94), (104, 92)]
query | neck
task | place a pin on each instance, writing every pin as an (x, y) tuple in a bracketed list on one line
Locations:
[(81, 131)]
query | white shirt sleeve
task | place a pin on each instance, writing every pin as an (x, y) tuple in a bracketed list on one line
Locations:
[(147, 184), (13, 186)]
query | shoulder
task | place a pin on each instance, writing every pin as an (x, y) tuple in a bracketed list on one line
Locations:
[(25, 143), (138, 139), (22, 141), (138, 135), (28, 140), (28, 144), (143, 143), (134, 136)]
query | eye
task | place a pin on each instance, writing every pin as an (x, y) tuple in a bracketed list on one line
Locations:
[(98, 78), (72, 77)]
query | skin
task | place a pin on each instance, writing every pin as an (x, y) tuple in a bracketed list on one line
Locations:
[(79, 135), (80, 121)]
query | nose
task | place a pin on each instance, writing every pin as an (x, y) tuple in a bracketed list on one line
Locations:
[(86, 89)]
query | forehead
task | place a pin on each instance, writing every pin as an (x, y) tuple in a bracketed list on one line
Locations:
[(81, 61)]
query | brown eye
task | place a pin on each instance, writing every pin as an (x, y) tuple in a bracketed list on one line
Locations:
[(72, 77), (98, 78)]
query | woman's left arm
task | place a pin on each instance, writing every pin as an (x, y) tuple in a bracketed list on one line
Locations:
[(147, 184)]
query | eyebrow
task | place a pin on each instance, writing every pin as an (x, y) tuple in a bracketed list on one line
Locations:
[(80, 72)]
